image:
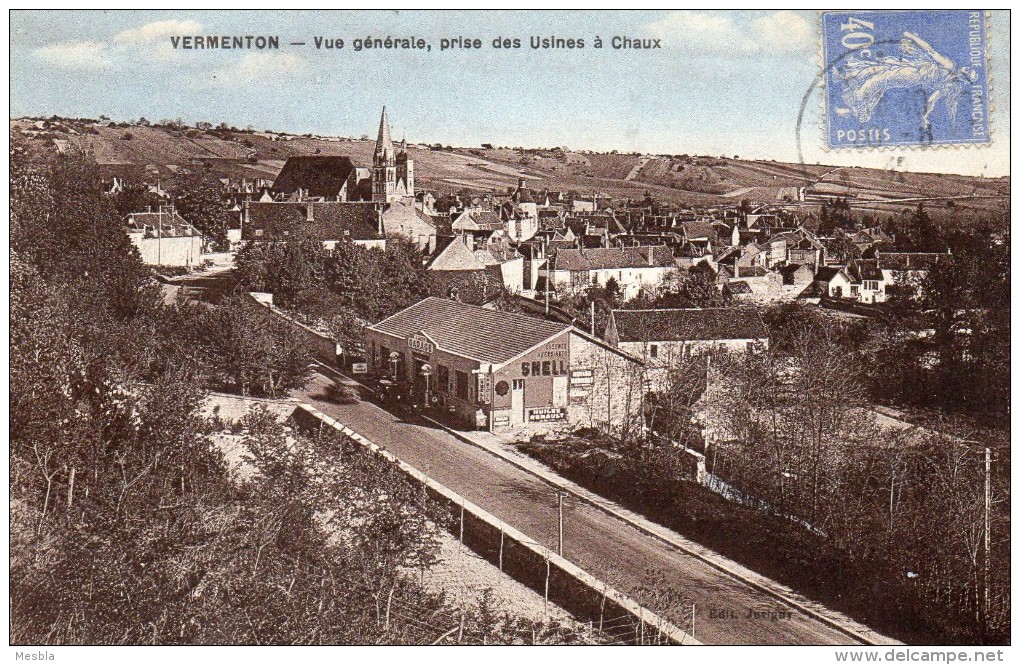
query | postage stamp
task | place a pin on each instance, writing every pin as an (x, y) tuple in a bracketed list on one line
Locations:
[(905, 78)]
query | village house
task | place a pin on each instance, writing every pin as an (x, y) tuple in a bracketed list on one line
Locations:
[(664, 337), (635, 269), (872, 281), (406, 220), (476, 225), (907, 269), (502, 371), (519, 213), (836, 282), (329, 223), (475, 275), (797, 276), (163, 238)]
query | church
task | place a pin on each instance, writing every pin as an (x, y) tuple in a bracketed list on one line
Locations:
[(392, 171), (327, 178)]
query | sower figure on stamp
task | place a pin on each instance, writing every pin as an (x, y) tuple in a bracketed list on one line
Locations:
[(920, 66)]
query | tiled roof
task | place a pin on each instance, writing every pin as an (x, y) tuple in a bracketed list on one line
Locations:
[(908, 260), (612, 258), (166, 224), (478, 220), (699, 229), (791, 269), (866, 269), (826, 273), (467, 330), (456, 257), (330, 221), (673, 325), (320, 175), (358, 221)]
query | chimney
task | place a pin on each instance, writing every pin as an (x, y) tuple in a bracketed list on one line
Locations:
[(310, 212), (651, 255), (522, 183)]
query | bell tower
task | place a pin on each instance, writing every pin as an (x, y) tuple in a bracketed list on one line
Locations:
[(384, 163)]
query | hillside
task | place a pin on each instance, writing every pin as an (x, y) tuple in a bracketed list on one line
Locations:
[(148, 151)]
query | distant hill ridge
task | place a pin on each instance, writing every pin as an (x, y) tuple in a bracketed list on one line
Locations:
[(161, 150)]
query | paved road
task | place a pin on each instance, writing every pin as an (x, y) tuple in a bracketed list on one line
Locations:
[(607, 547)]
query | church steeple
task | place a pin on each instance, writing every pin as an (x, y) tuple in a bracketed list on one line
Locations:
[(384, 151), (392, 173)]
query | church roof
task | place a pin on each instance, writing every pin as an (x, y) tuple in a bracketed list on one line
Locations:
[(384, 144), (320, 175)]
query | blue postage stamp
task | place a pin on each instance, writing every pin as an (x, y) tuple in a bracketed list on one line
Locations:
[(905, 78)]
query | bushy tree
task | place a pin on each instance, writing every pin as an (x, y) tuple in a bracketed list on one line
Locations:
[(200, 200)]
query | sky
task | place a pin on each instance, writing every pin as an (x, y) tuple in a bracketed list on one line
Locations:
[(722, 83)]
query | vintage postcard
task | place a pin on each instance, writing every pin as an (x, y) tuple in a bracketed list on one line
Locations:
[(507, 328)]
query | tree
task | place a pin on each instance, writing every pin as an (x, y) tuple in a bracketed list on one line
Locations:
[(255, 353), (199, 200)]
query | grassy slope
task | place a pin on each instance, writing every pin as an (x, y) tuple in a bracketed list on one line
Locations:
[(703, 181)]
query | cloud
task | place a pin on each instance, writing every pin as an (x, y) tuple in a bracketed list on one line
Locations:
[(151, 32), (259, 67), (147, 43), (784, 31), (75, 55), (717, 32)]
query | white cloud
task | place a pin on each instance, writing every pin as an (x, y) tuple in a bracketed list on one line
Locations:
[(151, 32), (146, 43), (784, 31), (717, 32), (75, 55), (259, 67)]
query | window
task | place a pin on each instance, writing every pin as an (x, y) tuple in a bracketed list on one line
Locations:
[(871, 285), (443, 378), (462, 384), (653, 350), (854, 290)]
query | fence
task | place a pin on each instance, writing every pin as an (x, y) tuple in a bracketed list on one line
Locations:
[(523, 559)]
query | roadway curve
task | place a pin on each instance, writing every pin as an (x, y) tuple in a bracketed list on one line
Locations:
[(605, 546)]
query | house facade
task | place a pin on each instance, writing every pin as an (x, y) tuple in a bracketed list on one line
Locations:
[(163, 238), (661, 338), (502, 371), (635, 269)]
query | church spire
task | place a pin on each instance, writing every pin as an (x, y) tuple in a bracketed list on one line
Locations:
[(383, 144)]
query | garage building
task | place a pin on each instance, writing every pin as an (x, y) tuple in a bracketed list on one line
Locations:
[(504, 371)]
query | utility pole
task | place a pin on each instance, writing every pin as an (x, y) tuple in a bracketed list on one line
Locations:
[(988, 531), (159, 239), (559, 497)]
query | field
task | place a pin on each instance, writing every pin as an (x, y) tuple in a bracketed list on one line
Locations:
[(148, 151)]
